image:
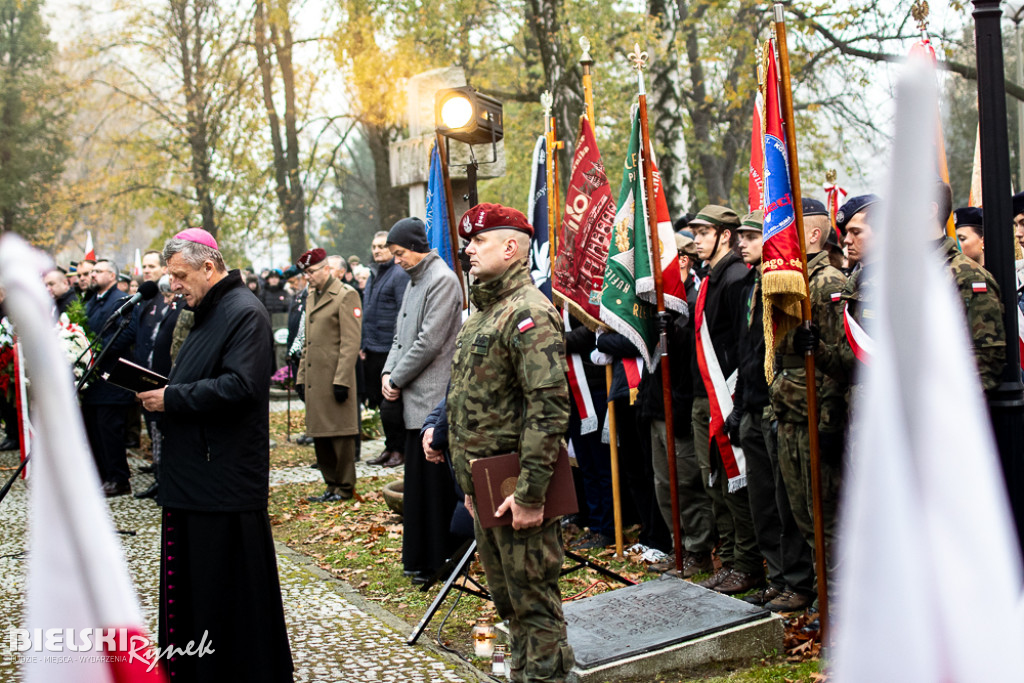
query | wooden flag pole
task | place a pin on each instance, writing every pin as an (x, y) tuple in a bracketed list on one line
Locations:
[(453, 229), (639, 59), (586, 61), (786, 96)]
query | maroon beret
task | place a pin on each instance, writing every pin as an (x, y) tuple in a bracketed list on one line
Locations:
[(484, 217), (311, 258)]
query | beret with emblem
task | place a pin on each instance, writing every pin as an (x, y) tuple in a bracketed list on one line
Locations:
[(853, 206), (718, 216), (484, 217), (968, 216), (752, 222), (310, 258), (812, 207)]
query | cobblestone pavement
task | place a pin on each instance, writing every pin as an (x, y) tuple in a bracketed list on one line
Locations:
[(336, 636)]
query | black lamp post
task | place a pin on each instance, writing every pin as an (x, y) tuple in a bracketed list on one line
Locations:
[(1006, 402)]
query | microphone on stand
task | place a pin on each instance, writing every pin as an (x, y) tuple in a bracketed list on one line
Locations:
[(147, 290)]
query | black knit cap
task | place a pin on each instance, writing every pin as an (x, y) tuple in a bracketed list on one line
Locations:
[(411, 234)]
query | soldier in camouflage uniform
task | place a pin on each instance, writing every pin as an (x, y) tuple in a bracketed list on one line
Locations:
[(509, 393), (788, 391), (978, 292)]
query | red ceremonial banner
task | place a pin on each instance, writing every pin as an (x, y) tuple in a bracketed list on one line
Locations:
[(578, 273)]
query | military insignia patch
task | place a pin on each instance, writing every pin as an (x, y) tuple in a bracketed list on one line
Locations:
[(836, 296), (525, 324), (979, 287), (357, 312)]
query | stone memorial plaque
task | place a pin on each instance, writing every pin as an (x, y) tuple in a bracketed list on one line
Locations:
[(637, 619)]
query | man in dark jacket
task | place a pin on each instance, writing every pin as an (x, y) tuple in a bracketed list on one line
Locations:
[(218, 569), (381, 300), (105, 406), (60, 289), (790, 570), (696, 519), (718, 317)]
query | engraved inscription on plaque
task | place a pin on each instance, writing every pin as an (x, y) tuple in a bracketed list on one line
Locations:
[(649, 616)]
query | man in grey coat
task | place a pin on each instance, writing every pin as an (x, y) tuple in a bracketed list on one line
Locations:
[(417, 372)]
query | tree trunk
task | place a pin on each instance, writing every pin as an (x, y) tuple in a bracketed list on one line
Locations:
[(565, 84), (392, 203), (288, 185), (666, 98)]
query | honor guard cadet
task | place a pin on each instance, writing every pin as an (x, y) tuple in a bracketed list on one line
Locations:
[(789, 390), (509, 393)]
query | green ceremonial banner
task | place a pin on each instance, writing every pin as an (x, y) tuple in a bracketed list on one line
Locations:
[(621, 308)]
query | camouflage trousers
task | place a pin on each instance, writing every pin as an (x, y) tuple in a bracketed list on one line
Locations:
[(522, 570), (795, 465)]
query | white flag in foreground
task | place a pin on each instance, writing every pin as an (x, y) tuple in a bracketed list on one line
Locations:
[(929, 585), (83, 622)]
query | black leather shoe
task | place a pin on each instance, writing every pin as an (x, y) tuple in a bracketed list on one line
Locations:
[(147, 469), (10, 444), (150, 492), (421, 578), (327, 497), (112, 489)]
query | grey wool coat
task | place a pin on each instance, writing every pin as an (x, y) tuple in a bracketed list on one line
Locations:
[(333, 332), (420, 360)]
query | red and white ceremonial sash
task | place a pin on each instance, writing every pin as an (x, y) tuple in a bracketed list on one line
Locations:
[(863, 346), (720, 392), (579, 387), (632, 368)]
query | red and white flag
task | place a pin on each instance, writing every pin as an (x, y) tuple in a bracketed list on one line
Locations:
[(82, 619), (90, 251), (926, 500), (755, 185), (137, 268)]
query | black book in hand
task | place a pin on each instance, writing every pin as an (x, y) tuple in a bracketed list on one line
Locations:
[(133, 377)]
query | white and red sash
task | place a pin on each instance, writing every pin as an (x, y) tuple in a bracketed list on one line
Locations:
[(720, 391), (579, 387), (1020, 335), (863, 345)]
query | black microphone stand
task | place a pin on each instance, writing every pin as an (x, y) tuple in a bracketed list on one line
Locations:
[(125, 320)]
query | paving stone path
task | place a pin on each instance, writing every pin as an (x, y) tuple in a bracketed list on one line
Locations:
[(336, 636)]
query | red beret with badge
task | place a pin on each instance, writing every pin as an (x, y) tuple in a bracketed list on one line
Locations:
[(311, 258), (484, 217)]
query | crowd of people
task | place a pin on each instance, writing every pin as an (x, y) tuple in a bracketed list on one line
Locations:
[(454, 386)]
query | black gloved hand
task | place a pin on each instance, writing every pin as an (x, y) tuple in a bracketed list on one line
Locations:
[(830, 446), (340, 393), (806, 339), (732, 426), (300, 389)]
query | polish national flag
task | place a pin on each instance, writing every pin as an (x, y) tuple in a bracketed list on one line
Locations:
[(78, 582), (90, 251)]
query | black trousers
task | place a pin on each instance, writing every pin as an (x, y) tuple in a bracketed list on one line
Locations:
[(428, 504), (390, 411), (104, 425)]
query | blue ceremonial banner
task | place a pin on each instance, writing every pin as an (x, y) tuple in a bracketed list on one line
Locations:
[(438, 233), (537, 213)]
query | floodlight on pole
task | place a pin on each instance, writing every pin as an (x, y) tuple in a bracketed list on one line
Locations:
[(468, 116)]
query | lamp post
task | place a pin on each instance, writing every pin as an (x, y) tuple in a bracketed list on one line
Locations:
[(1006, 402), (1016, 15)]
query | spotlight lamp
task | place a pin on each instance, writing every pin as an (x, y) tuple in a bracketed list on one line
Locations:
[(468, 116)]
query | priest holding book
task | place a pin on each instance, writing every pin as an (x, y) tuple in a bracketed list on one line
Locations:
[(509, 394)]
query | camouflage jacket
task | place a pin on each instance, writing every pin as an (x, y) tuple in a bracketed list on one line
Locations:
[(983, 310), (788, 390), (509, 390), (834, 355)]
